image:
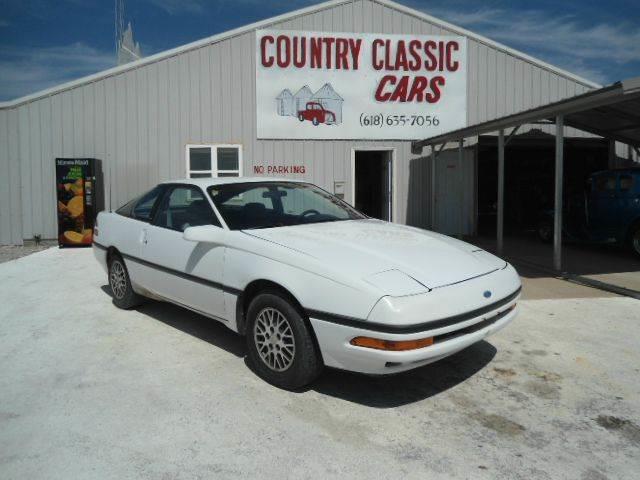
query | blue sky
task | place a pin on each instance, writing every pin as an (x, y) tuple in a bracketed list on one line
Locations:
[(44, 43)]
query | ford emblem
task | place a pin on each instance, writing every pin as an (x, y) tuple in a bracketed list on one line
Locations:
[(487, 293)]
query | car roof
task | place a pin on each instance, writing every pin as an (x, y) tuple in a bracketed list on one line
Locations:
[(208, 182), (633, 170)]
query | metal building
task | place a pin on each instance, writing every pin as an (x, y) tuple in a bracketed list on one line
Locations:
[(192, 111)]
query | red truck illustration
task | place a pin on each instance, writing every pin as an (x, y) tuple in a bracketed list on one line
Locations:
[(316, 114)]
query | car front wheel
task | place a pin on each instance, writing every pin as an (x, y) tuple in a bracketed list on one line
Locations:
[(280, 344), (120, 283)]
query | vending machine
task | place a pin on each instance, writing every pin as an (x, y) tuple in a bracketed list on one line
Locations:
[(78, 187)]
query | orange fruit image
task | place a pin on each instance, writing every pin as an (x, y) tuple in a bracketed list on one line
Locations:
[(87, 235), (76, 187), (75, 206), (77, 191), (73, 237)]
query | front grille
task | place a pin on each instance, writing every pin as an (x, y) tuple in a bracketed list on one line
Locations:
[(472, 328)]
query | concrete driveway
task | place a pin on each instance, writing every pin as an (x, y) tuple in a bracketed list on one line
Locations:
[(90, 391)]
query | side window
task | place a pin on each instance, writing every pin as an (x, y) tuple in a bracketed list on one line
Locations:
[(605, 184), (251, 207), (142, 207), (626, 182), (185, 207)]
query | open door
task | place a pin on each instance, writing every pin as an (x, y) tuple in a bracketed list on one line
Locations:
[(373, 183)]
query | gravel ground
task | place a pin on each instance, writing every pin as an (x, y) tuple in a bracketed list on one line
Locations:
[(12, 252), (90, 391)]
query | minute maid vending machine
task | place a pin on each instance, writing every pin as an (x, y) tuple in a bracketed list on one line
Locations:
[(78, 186)]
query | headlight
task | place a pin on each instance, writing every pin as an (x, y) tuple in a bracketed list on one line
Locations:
[(396, 283)]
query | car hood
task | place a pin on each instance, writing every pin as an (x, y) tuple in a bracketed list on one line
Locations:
[(365, 248)]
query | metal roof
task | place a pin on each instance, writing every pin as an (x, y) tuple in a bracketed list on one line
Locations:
[(612, 112), (282, 18)]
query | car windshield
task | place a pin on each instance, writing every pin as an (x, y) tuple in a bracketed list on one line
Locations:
[(253, 205)]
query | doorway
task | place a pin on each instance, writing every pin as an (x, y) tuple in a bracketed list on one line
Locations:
[(373, 183)]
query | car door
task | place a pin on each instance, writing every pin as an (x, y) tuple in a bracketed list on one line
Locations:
[(602, 205), (628, 203), (188, 273), (128, 234)]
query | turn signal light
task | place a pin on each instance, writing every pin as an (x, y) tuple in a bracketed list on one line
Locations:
[(391, 345)]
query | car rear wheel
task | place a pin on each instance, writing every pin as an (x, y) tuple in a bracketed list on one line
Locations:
[(545, 231), (123, 295), (280, 344), (315, 121), (301, 117)]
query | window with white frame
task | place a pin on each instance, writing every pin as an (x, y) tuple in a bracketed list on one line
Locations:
[(205, 161)]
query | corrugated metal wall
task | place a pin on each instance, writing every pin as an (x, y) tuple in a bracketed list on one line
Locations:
[(10, 180), (138, 121)]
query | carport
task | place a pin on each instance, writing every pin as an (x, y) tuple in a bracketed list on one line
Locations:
[(612, 112)]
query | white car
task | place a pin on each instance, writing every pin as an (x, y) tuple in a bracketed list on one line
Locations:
[(308, 280)]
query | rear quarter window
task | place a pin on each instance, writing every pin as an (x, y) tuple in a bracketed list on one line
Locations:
[(605, 183), (626, 182), (141, 208)]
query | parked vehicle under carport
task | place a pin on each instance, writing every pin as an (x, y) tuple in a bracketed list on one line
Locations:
[(607, 212)]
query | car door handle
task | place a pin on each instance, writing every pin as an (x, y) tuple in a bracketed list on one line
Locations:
[(143, 237)]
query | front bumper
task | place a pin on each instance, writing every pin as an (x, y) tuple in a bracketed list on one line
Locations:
[(450, 337)]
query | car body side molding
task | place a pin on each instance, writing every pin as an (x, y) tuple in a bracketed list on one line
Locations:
[(177, 273), (341, 319)]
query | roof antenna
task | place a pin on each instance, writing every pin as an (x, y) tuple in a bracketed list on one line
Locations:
[(127, 49), (118, 23)]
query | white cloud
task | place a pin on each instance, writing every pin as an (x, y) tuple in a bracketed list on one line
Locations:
[(25, 70), (562, 40)]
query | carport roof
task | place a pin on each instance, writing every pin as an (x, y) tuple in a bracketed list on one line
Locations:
[(612, 112)]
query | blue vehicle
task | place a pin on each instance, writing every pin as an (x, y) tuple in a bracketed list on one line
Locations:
[(607, 212)]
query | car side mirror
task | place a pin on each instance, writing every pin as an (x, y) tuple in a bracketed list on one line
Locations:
[(204, 233)]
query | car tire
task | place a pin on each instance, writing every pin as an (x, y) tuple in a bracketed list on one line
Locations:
[(634, 238), (280, 344), (545, 231), (120, 283), (315, 121), (301, 117)]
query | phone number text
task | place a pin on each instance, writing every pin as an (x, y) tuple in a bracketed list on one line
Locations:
[(383, 120)]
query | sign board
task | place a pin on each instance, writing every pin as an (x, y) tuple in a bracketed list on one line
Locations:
[(327, 85)]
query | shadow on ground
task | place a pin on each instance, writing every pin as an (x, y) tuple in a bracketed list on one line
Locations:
[(408, 387), (201, 327), (372, 391)]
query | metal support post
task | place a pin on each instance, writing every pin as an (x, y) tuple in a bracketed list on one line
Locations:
[(557, 227)]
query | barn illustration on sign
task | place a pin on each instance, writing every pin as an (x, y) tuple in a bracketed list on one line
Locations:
[(323, 106)]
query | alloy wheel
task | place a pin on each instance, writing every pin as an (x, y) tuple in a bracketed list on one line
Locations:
[(118, 280), (274, 339)]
